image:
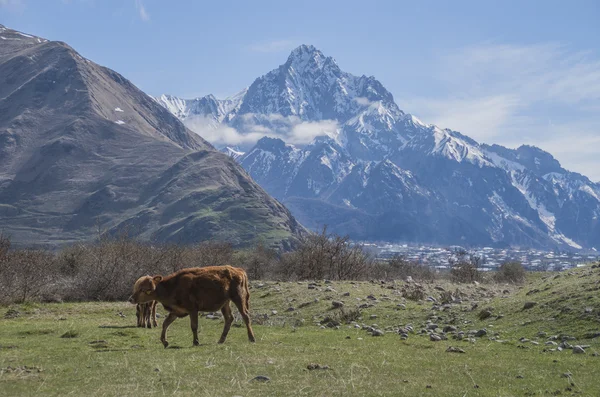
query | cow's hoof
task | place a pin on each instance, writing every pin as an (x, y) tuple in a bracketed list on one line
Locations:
[(196, 343), (165, 343), (155, 325)]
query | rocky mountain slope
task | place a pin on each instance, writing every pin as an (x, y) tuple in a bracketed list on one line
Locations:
[(82, 149), (382, 174)]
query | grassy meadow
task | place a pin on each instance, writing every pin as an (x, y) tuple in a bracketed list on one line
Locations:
[(94, 348)]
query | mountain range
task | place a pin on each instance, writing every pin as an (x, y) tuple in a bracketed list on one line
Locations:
[(336, 149), (82, 151)]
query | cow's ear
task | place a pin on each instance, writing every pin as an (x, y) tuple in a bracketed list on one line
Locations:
[(157, 279)]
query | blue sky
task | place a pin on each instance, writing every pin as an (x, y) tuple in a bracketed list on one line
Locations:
[(499, 71)]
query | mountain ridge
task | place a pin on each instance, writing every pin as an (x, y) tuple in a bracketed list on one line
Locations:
[(478, 194), (82, 149)]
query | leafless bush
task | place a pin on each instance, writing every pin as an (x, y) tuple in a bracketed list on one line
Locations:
[(26, 275), (326, 255), (464, 268), (413, 292), (208, 253), (347, 316), (510, 272), (260, 262), (401, 268)]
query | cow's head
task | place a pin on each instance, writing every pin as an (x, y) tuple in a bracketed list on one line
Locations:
[(144, 289)]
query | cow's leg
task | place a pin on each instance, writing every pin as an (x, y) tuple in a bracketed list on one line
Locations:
[(226, 310), (154, 322), (163, 336), (194, 324), (147, 313), (139, 314), (241, 304)]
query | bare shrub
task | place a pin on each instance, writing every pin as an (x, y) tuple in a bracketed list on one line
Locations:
[(326, 255), (26, 275), (209, 253), (402, 268), (464, 268), (510, 272), (413, 292), (260, 263), (347, 316)]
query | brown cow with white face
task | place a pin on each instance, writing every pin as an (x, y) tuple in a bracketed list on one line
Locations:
[(146, 314), (194, 290)]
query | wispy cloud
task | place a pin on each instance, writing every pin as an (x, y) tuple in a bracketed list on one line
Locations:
[(542, 94), (252, 127), (272, 46), (144, 16), (14, 4)]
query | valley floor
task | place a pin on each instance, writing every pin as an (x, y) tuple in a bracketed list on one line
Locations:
[(94, 349)]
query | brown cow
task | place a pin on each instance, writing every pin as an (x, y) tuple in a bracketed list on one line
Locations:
[(194, 290), (146, 314)]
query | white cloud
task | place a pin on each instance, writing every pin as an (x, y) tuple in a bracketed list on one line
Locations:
[(272, 46), (362, 101), (144, 16), (542, 94), (305, 132), (255, 126)]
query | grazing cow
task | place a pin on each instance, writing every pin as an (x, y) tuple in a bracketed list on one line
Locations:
[(189, 291), (146, 314)]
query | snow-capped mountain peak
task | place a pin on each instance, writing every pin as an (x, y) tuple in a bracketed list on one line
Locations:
[(402, 177)]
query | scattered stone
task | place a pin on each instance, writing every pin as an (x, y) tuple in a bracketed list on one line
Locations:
[(290, 309), (431, 299), (439, 288), (551, 343), (449, 328), (274, 312), (435, 338), (529, 305), (484, 314), (330, 289), (373, 316), (312, 286), (348, 337), (212, 317), (371, 297), (346, 294), (261, 378), (401, 306), (337, 304), (454, 350), (377, 332), (592, 335), (578, 350), (432, 326), (480, 333), (520, 377)]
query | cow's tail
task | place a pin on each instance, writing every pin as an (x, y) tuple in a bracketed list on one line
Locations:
[(246, 290)]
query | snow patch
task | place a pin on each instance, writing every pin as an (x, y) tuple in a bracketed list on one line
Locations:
[(118, 110), (120, 122)]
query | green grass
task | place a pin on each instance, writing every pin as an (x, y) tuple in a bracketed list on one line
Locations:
[(104, 354)]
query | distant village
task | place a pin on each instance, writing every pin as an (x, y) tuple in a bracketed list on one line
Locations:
[(488, 258)]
